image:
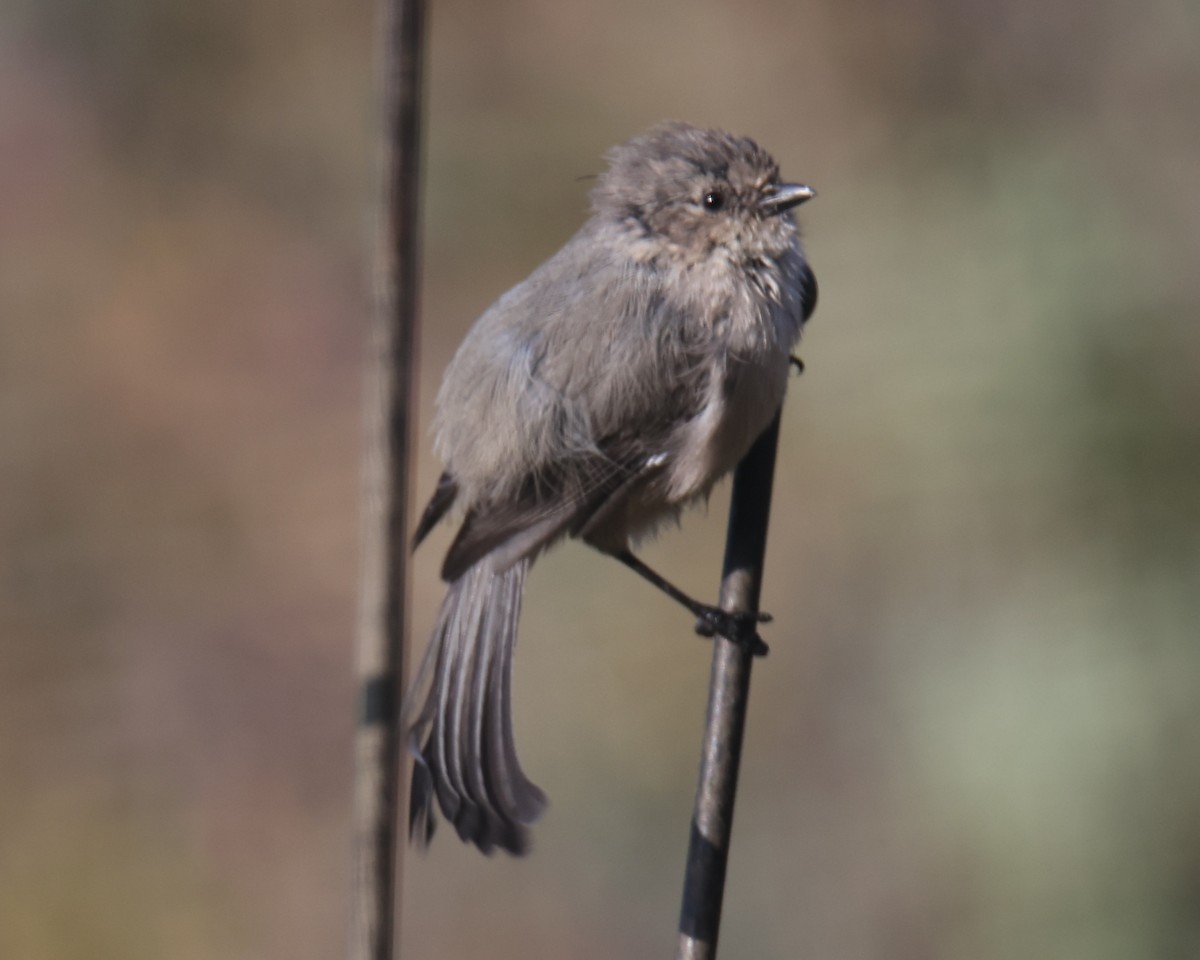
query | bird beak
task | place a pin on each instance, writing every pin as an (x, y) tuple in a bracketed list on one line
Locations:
[(785, 196)]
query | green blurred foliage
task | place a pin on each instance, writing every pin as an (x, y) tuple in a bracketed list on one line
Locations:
[(977, 733)]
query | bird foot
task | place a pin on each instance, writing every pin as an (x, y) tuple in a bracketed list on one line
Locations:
[(738, 627)]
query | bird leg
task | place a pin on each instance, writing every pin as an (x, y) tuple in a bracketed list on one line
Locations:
[(738, 627)]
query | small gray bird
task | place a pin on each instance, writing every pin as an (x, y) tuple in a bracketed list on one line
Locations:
[(596, 399)]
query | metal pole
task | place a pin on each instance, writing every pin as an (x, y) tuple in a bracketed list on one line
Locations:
[(728, 699), (383, 607)]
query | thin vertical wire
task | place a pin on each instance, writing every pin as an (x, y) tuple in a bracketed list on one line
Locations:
[(390, 402), (728, 700)]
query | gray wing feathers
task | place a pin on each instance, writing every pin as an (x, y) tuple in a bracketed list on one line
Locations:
[(561, 365), (441, 501), (571, 503), (461, 736)]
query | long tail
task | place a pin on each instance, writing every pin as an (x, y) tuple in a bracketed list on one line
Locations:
[(461, 739)]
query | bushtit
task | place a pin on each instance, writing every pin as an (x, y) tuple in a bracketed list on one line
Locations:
[(596, 399)]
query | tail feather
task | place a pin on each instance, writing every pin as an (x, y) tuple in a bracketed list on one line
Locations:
[(521, 799), (464, 639), (461, 736)]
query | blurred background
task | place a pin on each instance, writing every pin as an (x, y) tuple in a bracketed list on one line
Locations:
[(978, 732)]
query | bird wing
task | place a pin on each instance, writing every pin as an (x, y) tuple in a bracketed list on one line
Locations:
[(554, 504), (569, 390), (441, 501)]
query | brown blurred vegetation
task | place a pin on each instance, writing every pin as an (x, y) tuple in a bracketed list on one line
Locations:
[(978, 733)]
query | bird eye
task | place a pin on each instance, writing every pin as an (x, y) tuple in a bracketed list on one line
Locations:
[(714, 200)]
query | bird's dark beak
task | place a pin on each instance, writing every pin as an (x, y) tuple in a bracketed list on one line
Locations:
[(785, 196)]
